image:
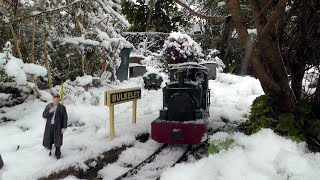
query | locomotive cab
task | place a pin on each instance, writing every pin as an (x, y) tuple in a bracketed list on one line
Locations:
[(186, 100)]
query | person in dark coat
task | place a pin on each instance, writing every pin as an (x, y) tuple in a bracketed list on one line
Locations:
[(1, 162), (57, 120)]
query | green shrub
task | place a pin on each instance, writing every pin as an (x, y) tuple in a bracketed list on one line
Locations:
[(287, 125), (218, 145), (264, 112), (304, 107), (314, 129), (262, 122)]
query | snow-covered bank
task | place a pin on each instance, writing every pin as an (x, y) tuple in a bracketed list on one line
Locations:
[(231, 97), (262, 156), (87, 136)]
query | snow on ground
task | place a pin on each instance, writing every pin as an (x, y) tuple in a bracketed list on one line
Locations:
[(88, 134), (70, 178), (87, 137), (151, 170), (263, 156), (231, 97), (133, 156), (84, 80), (129, 158)]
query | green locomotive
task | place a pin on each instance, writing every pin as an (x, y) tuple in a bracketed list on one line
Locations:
[(186, 101)]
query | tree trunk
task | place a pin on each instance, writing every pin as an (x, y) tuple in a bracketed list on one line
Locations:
[(272, 73), (297, 74), (298, 66), (104, 63), (46, 55), (33, 40), (225, 42), (35, 80), (317, 93), (272, 56), (316, 101), (81, 34), (151, 5), (268, 84), (82, 63), (14, 36)]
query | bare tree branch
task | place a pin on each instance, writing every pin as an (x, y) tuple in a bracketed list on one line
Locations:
[(257, 14), (44, 12), (317, 93), (202, 16), (277, 13), (239, 24)]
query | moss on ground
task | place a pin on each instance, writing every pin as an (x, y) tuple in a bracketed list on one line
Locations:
[(301, 125), (264, 111)]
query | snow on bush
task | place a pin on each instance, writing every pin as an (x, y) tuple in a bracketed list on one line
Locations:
[(101, 30), (34, 69), (155, 40), (84, 80), (180, 48), (143, 47), (213, 57), (261, 156), (310, 80), (152, 60), (4, 96), (15, 68)]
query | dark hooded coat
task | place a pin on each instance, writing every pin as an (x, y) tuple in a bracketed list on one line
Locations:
[(60, 121), (1, 162)]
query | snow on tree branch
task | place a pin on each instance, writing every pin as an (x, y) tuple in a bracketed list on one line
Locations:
[(193, 12), (15, 68), (36, 14)]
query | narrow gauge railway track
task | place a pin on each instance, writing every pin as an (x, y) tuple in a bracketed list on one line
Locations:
[(147, 160), (166, 156), (155, 164)]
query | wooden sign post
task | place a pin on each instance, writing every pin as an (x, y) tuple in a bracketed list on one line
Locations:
[(114, 97)]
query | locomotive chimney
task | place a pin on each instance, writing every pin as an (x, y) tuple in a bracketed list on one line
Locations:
[(180, 73)]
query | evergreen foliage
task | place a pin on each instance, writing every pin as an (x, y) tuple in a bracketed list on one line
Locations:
[(154, 15), (217, 145)]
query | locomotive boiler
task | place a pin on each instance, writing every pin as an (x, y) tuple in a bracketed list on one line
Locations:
[(186, 101)]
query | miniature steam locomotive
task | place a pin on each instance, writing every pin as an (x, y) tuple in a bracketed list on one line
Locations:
[(186, 101)]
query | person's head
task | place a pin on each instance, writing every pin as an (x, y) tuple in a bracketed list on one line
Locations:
[(199, 77), (56, 99)]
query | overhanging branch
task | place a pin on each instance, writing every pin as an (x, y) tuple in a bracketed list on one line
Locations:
[(277, 13), (202, 16), (43, 12)]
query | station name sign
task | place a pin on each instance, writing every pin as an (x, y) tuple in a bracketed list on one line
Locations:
[(123, 95)]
